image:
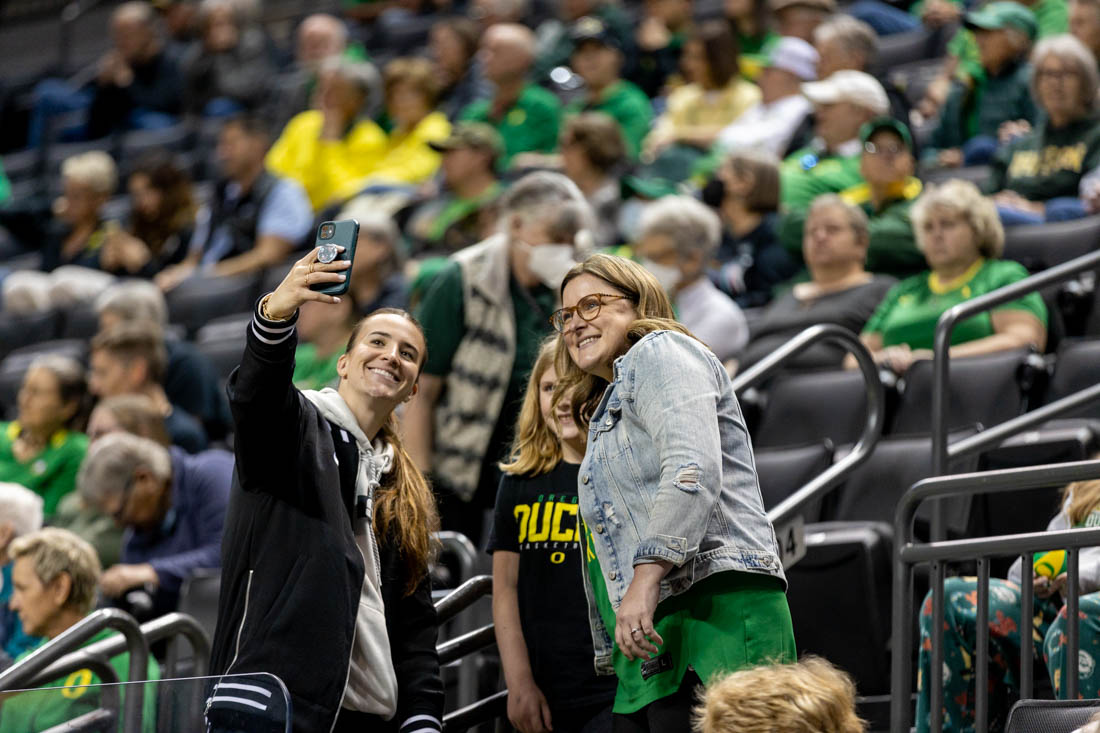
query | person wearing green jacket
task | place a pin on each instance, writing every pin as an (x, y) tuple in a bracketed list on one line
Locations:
[(887, 165), (1037, 177), (979, 104), (598, 59), (830, 163), (54, 579)]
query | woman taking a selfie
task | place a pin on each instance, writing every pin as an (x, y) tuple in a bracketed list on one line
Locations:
[(684, 567), (328, 535)]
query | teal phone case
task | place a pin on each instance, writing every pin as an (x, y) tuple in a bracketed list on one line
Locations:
[(345, 234)]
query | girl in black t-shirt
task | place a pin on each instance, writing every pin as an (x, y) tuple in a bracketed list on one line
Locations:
[(539, 608)]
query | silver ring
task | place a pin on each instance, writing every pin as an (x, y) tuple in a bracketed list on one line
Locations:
[(326, 253), (634, 631)]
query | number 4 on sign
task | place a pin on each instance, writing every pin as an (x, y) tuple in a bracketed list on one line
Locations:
[(792, 541)]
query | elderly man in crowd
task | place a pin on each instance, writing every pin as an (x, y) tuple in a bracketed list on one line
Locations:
[(484, 316), (320, 37), (783, 109), (526, 115), (679, 238), (172, 505), (830, 163), (136, 85)]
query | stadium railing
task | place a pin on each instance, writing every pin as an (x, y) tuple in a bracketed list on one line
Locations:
[(785, 515), (938, 553), (941, 452)]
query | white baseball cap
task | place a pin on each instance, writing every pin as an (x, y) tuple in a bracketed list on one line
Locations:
[(795, 56), (855, 87)]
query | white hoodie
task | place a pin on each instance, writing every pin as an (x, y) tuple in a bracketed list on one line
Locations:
[(372, 682)]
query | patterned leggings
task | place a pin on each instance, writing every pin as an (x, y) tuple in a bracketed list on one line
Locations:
[(960, 633)]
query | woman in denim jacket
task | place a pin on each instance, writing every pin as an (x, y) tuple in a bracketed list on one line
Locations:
[(684, 579)]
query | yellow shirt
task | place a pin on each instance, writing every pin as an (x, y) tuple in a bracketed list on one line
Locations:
[(692, 108), (329, 170), (407, 157)]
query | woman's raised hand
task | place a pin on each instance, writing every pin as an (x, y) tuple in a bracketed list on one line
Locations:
[(294, 290)]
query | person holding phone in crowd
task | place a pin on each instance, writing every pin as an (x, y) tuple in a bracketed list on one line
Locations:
[(539, 608), (684, 578), (329, 530)]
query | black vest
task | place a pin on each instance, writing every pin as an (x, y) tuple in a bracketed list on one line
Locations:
[(239, 217)]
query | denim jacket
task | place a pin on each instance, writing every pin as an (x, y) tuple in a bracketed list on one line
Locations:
[(669, 475)]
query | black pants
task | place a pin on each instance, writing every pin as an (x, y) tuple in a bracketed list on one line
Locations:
[(670, 714), (352, 721)]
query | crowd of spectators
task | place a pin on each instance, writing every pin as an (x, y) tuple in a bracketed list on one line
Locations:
[(756, 162)]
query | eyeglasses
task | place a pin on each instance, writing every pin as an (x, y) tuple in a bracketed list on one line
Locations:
[(1058, 75), (588, 308), (889, 150)]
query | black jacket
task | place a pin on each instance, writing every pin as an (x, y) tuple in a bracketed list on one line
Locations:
[(291, 570)]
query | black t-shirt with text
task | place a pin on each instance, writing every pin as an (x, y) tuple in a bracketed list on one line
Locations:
[(537, 517)]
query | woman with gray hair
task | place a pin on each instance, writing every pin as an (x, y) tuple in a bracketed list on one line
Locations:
[(961, 237), (43, 447), (679, 239), (54, 578), (20, 514), (1037, 176)]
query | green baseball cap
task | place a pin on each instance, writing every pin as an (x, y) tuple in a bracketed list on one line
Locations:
[(477, 135), (886, 123), (1003, 14)]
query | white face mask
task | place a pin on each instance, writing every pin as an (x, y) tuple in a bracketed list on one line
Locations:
[(550, 262), (667, 275)]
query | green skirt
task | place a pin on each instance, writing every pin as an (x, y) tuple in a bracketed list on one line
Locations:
[(726, 622)]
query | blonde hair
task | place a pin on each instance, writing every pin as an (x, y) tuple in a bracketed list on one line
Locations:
[(53, 551), (1083, 498), (536, 449), (811, 696), (654, 311), (964, 199), (94, 169)]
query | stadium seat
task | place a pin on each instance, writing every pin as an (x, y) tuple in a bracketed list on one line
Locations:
[(902, 48), (810, 407), (79, 322), (15, 365), (1075, 368), (222, 341), (199, 598), (784, 471), (199, 300), (871, 492), (845, 575), (1058, 441), (1050, 716), (23, 165), (24, 330), (976, 174), (1041, 246), (983, 389)]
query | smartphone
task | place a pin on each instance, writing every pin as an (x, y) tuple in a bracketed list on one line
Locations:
[(332, 235)]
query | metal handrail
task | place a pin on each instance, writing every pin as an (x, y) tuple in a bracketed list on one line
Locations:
[(942, 356), (872, 429), (18, 675), (463, 597), (461, 720), (163, 627), (468, 643), (908, 553), (463, 549)]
